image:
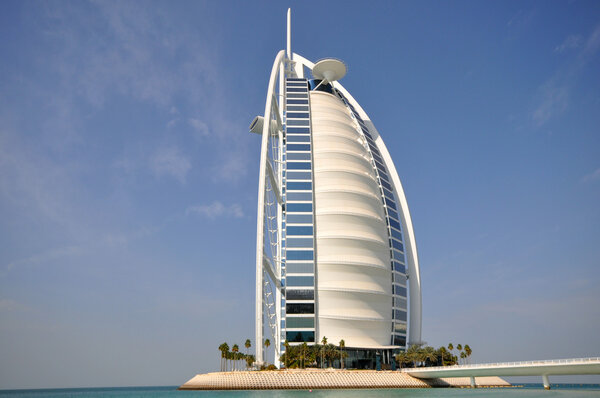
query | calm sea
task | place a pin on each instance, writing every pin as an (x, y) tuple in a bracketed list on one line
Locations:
[(526, 391)]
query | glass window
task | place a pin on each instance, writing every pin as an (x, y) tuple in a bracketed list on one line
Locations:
[(400, 315), (299, 255), (300, 294), (297, 122), (384, 175), (399, 327), (388, 194), (300, 242), (400, 268), (297, 101), (397, 245), (300, 281), (298, 147), (393, 222), (295, 108), (380, 166), (385, 184), (299, 337), (388, 202), (299, 175), (400, 278), (298, 165), (300, 308), (295, 79), (298, 323), (398, 290), (300, 268), (377, 158), (399, 256), (299, 186), (297, 115), (400, 341), (299, 218), (300, 230), (296, 89), (298, 138), (298, 156), (298, 130), (393, 214), (296, 95), (299, 196), (400, 302), (299, 207)]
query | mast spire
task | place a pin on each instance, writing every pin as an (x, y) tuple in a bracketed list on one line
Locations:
[(289, 34)]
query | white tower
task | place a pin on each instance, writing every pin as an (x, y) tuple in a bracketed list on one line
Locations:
[(336, 254)]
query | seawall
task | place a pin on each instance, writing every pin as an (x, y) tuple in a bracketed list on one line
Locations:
[(325, 379)]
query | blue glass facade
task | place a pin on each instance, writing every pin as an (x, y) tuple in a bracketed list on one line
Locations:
[(298, 267)]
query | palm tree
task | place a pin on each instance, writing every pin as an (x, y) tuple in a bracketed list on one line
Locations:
[(468, 351), (459, 347), (442, 351), (323, 341), (287, 346), (342, 346), (223, 348), (267, 344), (247, 344), (304, 348), (235, 349)]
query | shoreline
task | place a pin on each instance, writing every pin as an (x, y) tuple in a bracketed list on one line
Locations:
[(303, 379)]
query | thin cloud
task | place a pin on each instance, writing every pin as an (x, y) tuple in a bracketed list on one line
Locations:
[(554, 94), (216, 209), (593, 176), (199, 127), (171, 162), (570, 43)]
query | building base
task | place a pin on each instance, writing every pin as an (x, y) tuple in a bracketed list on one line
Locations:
[(304, 379)]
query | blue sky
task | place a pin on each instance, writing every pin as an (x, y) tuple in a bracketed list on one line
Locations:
[(128, 178)]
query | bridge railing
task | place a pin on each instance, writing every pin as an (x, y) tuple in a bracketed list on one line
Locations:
[(500, 364)]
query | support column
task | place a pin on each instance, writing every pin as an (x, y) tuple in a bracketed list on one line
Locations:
[(473, 385), (546, 382)]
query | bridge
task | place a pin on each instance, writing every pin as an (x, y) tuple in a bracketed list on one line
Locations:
[(575, 366)]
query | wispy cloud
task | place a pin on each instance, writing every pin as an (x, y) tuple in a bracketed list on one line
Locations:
[(216, 209), (593, 176), (554, 94), (570, 43), (200, 128), (171, 162)]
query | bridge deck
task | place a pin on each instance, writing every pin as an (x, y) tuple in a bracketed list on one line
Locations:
[(576, 366)]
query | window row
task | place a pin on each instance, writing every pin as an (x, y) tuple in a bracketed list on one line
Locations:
[(300, 337), (300, 323), (399, 327), (298, 138), (298, 130), (299, 208), (301, 281), (295, 95), (298, 165), (299, 196), (300, 242), (300, 268), (297, 148), (292, 89), (299, 175), (398, 256), (299, 254), (297, 122), (305, 294), (299, 230), (300, 308), (299, 186), (398, 267), (296, 101), (299, 218)]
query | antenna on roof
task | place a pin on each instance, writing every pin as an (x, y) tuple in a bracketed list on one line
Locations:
[(289, 34)]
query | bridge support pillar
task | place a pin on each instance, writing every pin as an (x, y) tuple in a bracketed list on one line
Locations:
[(546, 382), (473, 385)]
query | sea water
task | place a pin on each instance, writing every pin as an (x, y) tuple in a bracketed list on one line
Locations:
[(524, 391)]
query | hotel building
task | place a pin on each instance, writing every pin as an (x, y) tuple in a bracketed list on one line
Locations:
[(336, 254)]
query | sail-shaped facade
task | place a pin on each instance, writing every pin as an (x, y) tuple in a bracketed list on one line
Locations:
[(336, 252)]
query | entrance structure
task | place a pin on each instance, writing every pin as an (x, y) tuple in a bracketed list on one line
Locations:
[(335, 251)]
